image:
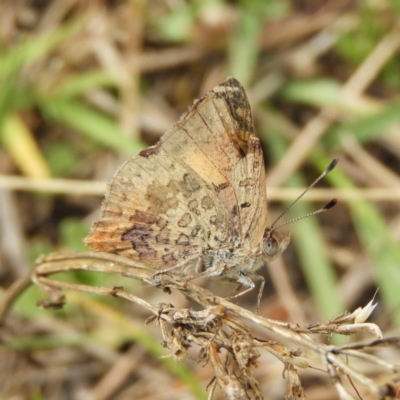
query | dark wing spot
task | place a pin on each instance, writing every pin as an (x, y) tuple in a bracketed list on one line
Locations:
[(195, 231), (163, 236), (184, 253), (169, 259), (215, 220), (189, 185), (143, 217), (138, 236), (207, 203), (235, 210), (247, 182), (193, 205), (183, 240), (185, 220), (221, 186)]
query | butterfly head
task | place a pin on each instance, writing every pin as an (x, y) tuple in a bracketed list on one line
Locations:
[(274, 243)]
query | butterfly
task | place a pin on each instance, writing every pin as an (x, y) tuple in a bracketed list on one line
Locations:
[(196, 200)]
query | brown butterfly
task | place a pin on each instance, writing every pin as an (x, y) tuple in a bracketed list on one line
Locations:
[(197, 199)]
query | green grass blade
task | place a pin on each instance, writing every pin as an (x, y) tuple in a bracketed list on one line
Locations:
[(367, 128), (243, 48), (94, 125), (317, 92), (76, 84), (33, 48), (21, 145)]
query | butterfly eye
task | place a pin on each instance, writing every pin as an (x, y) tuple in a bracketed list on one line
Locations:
[(274, 244), (270, 247)]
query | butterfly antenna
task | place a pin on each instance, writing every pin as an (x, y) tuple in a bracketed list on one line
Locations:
[(321, 210), (326, 207)]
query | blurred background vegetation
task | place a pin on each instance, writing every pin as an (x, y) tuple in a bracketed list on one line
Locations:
[(86, 85)]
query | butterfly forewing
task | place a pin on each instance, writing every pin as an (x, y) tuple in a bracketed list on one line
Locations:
[(247, 175)]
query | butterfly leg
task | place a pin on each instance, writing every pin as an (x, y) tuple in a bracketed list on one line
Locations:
[(237, 290), (249, 284), (165, 271), (174, 267), (213, 271)]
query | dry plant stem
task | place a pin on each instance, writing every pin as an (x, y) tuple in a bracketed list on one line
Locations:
[(297, 28), (152, 61), (300, 58), (280, 278), (116, 375), (54, 14), (12, 244), (102, 262), (12, 293), (228, 382), (369, 164), (369, 358), (301, 146), (372, 65), (69, 186), (223, 315)]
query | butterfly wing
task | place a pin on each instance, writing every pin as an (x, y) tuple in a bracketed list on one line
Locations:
[(200, 186)]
